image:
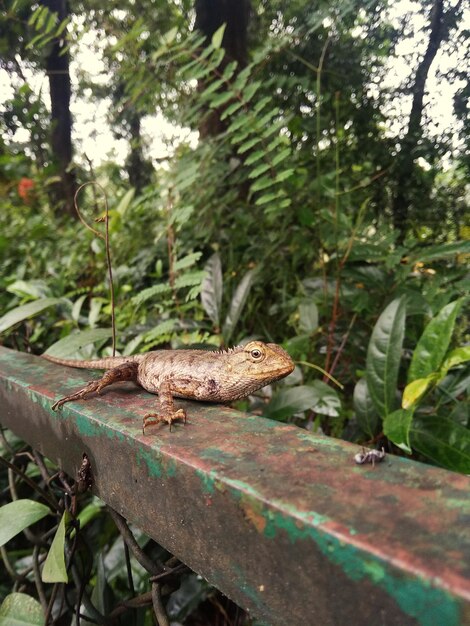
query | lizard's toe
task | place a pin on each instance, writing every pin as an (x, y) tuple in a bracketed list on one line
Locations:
[(153, 419)]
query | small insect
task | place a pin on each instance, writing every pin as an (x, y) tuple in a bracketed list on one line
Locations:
[(369, 456)]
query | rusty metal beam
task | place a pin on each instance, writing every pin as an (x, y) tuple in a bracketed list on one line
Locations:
[(282, 521)]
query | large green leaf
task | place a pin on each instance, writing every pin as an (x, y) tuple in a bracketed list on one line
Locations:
[(434, 342), (25, 311), (443, 441), (317, 396), (383, 356), (19, 609), (308, 316), (415, 390), (212, 288), (54, 570), (366, 413), (440, 251), (238, 302), (289, 401), (70, 344), (396, 427), (18, 515)]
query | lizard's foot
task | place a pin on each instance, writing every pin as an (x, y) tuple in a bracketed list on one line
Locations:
[(94, 386), (152, 419)]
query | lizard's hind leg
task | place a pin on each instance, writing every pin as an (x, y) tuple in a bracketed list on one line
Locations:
[(127, 371)]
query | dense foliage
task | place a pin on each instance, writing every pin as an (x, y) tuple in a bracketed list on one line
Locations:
[(307, 213)]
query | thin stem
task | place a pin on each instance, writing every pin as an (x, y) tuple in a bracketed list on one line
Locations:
[(105, 238)]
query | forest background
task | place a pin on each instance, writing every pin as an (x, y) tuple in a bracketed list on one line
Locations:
[(300, 198)]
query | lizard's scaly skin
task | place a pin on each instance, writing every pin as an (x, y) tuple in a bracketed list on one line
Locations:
[(211, 376)]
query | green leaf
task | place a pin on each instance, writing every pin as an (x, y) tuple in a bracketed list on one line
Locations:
[(70, 344), (415, 390), (187, 261), (440, 251), (254, 156), (220, 99), (383, 356), (54, 570), (218, 36), (124, 202), (366, 413), (263, 167), (289, 401), (238, 302), (248, 144), (150, 292), (443, 441), (25, 311), (317, 396), (396, 427), (212, 288), (456, 357), (434, 342), (267, 197), (308, 316), (18, 515), (327, 402), (19, 609), (231, 109), (262, 183)]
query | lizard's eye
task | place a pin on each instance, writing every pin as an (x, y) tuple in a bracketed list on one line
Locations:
[(256, 354)]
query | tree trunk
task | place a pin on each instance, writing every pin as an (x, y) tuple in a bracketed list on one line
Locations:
[(210, 15), (57, 68), (138, 168), (408, 153)]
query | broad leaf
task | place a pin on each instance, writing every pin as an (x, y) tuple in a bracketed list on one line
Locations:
[(18, 515), (383, 356), (25, 311), (54, 570), (289, 401), (19, 609), (443, 441), (238, 302), (212, 288), (434, 342), (328, 402), (125, 201), (366, 413), (318, 397), (69, 345), (308, 316), (456, 357), (440, 252), (396, 427), (415, 390)]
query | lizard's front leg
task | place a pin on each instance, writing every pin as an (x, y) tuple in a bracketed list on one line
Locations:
[(167, 412), (127, 371)]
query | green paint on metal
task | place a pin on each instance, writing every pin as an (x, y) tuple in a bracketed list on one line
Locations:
[(417, 598), (153, 464), (86, 427)]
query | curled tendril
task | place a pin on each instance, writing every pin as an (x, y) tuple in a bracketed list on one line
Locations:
[(105, 238)]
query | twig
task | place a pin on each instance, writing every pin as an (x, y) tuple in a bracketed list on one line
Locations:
[(146, 562), (29, 482), (160, 613), (105, 238)]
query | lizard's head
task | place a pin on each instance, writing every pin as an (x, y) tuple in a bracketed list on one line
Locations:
[(257, 364)]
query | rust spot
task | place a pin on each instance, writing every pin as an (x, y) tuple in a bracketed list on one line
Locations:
[(253, 516)]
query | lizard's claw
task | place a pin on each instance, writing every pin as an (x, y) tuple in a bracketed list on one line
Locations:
[(151, 419)]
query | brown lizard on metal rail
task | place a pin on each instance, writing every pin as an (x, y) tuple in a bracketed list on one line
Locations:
[(210, 376)]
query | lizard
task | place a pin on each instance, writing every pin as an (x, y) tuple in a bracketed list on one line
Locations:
[(210, 376)]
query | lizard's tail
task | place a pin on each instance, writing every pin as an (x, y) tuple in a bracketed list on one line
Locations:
[(96, 364)]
